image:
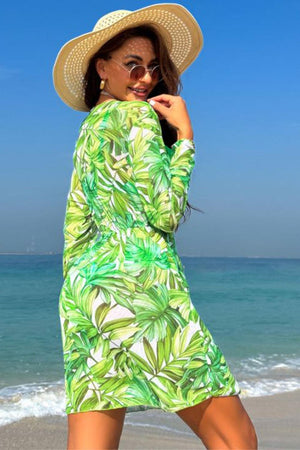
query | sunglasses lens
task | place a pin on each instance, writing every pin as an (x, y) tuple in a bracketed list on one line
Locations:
[(137, 72), (156, 73)]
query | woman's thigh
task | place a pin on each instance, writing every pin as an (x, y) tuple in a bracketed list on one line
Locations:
[(221, 423), (95, 430)]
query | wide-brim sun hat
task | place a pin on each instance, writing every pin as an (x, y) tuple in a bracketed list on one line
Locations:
[(176, 25)]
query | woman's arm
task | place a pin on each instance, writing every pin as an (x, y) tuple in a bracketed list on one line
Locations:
[(161, 182), (79, 227)]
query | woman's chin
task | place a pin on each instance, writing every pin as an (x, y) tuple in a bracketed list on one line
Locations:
[(132, 97)]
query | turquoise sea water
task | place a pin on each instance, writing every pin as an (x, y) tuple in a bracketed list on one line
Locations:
[(251, 306)]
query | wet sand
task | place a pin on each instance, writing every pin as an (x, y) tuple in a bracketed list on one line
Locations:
[(276, 418)]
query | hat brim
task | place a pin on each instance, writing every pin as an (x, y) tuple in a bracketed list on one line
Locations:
[(178, 28)]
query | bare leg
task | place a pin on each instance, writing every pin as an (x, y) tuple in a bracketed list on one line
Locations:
[(95, 430), (221, 423)]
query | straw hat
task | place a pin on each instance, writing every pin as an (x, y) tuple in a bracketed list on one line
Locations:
[(178, 28)]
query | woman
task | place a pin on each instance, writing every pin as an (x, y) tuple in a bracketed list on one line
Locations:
[(131, 335)]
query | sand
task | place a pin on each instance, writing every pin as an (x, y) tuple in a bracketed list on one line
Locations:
[(276, 419)]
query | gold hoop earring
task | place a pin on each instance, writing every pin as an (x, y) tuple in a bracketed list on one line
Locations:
[(102, 84)]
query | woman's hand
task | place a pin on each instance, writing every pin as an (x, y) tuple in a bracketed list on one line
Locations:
[(173, 109)]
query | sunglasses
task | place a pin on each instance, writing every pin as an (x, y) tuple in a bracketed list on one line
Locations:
[(138, 71)]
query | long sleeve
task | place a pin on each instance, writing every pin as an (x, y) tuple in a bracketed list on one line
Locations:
[(79, 227), (162, 178), (121, 169)]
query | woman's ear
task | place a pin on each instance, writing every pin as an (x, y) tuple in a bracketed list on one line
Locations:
[(100, 68)]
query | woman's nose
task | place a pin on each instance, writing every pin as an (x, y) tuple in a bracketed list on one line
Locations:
[(147, 77)]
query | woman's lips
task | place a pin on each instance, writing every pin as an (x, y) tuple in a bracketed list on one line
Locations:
[(140, 92)]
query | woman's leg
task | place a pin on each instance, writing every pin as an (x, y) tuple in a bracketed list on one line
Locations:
[(221, 423), (95, 430)]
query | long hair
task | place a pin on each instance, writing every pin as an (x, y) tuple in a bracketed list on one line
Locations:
[(169, 84)]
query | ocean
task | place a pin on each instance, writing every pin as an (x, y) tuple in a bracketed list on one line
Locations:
[(250, 305)]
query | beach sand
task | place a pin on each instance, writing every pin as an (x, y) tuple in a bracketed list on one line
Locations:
[(276, 419)]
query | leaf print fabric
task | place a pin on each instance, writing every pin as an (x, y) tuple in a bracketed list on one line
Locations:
[(130, 333)]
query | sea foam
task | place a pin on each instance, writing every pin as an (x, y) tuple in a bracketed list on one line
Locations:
[(257, 377), (31, 400)]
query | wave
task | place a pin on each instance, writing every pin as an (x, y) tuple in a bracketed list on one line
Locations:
[(31, 400), (258, 377), (268, 375), (275, 365), (265, 387)]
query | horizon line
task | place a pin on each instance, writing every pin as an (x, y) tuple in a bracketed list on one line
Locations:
[(50, 253)]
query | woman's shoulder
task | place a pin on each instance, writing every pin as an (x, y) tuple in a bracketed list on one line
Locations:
[(127, 106), (112, 111), (133, 105)]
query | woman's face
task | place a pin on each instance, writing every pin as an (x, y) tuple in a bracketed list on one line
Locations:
[(115, 71)]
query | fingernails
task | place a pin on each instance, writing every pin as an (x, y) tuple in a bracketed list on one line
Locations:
[(152, 102)]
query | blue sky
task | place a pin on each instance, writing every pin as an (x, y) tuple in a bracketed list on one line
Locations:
[(244, 99)]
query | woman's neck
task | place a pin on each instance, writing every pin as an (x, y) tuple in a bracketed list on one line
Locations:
[(103, 92), (107, 95)]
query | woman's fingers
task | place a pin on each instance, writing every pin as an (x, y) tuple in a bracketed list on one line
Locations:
[(166, 98), (167, 106), (173, 109), (159, 107)]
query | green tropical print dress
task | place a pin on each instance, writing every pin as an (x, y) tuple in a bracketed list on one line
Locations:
[(130, 333)]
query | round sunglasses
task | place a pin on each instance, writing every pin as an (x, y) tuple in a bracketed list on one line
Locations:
[(138, 71)]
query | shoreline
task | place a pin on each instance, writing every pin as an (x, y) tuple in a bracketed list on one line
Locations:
[(276, 419)]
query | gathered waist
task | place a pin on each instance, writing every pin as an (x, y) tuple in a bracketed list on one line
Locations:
[(122, 226), (121, 245), (121, 232)]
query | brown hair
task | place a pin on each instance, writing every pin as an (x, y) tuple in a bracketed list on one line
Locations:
[(169, 84)]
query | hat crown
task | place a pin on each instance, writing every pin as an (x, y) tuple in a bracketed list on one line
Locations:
[(110, 18)]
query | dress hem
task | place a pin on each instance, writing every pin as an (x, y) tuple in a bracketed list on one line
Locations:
[(170, 410)]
